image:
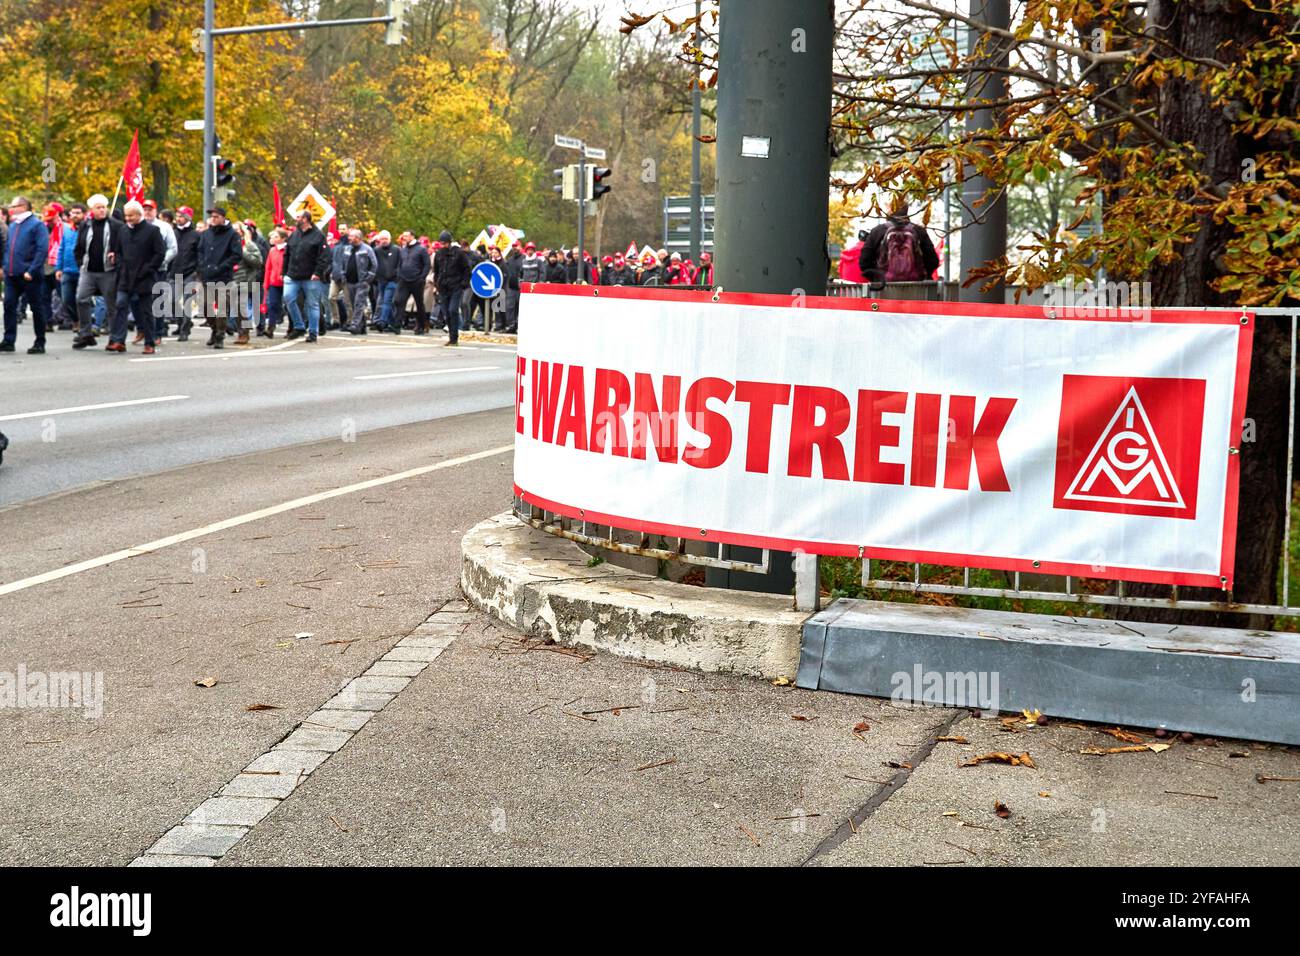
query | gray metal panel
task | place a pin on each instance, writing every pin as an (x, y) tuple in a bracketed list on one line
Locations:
[(1216, 681)]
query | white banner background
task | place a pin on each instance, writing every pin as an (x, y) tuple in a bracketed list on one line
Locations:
[(854, 348)]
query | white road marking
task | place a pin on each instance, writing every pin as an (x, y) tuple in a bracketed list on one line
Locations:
[(437, 371), (250, 796), (217, 355), (151, 546), (91, 408)]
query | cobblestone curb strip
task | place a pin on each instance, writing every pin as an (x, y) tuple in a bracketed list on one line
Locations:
[(216, 825), (543, 585)]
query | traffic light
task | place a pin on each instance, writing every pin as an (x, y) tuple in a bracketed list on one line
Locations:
[(223, 174), (596, 185), (567, 186), (393, 34), (223, 171)]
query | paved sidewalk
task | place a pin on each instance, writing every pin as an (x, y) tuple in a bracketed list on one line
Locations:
[(507, 751)]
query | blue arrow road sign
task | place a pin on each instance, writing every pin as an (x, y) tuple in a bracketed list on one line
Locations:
[(486, 280)]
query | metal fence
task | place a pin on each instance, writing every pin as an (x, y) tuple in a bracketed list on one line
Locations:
[(920, 579)]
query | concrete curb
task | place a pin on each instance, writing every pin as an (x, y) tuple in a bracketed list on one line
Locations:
[(543, 585)]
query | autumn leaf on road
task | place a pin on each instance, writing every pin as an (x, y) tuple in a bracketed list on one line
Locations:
[(1124, 735), (1136, 749), (1001, 809), (1015, 760)]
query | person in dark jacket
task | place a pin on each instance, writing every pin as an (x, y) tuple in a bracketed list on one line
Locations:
[(413, 267), (650, 272), (219, 252), (532, 267), (897, 250), (98, 250), (306, 264), (184, 273), (556, 271), (26, 249), (512, 268), (359, 267), (387, 257), (143, 251), (451, 270), (620, 273)]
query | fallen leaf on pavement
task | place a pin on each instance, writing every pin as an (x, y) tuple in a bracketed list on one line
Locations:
[(1001, 809), (1031, 716), (781, 682), (898, 766), (1124, 735), (252, 707), (952, 740), (1015, 760), (1044, 793), (861, 727), (950, 813), (801, 717), (1135, 749), (206, 682)]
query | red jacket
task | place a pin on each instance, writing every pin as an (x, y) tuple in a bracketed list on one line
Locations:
[(273, 275)]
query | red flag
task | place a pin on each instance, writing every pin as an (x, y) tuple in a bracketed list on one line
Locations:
[(132, 174), (279, 210), (334, 223)]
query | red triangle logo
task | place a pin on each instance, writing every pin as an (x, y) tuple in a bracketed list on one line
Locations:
[(1127, 464)]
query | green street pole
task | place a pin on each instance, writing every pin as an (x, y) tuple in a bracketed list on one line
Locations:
[(984, 232), (773, 161)]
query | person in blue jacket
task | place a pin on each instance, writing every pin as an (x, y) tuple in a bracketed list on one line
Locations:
[(26, 247), (67, 271)]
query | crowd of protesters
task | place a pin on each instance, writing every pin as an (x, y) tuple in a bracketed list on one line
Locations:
[(96, 271)]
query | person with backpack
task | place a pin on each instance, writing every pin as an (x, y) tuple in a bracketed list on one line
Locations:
[(898, 250)]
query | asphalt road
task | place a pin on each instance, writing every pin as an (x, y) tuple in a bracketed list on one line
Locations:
[(196, 405)]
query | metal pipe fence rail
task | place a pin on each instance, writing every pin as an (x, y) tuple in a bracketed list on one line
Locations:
[(1042, 587), (638, 543)]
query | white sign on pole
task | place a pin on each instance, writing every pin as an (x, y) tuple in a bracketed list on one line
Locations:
[(322, 211), (567, 142), (1092, 444), (591, 152), (193, 126)]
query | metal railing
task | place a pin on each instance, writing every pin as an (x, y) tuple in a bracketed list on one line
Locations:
[(639, 543), (1066, 589)]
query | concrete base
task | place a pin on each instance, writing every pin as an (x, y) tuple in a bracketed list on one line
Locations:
[(1214, 681), (546, 586)]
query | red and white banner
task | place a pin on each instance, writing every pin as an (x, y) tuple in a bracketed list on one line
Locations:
[(989, 436)]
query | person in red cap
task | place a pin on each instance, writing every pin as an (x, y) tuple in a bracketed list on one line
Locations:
[(704, 274), (606, 265), (53, 217), (532, 268), (620, 273), (650, 272)]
